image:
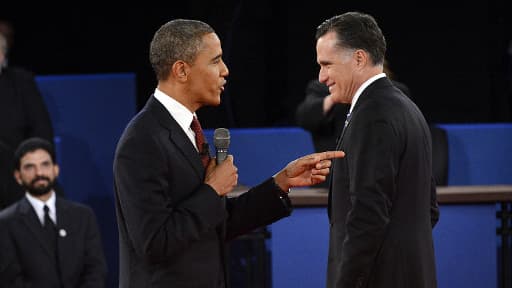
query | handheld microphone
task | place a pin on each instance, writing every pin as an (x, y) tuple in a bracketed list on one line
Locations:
[(221, 142)]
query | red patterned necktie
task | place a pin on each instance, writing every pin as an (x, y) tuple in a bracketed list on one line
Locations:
[(200, 141)]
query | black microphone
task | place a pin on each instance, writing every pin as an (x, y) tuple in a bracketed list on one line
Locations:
[(221, 142)]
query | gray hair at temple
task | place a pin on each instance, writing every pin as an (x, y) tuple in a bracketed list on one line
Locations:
[(356, 30), (179, 39)]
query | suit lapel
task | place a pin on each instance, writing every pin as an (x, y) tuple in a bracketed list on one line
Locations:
[(362, 98), (65, 233), (176, 135), (181, 140), (340, 138), (32, 222)]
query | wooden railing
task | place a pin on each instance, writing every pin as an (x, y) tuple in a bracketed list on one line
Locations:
[(445, 195)]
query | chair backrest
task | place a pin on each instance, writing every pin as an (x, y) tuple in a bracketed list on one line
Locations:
[(479, 154)]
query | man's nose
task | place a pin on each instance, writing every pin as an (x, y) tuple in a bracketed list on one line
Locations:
[(39, 171), (225, 71), (322, 76)]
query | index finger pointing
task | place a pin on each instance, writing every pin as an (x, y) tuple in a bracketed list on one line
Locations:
[(332, 154)]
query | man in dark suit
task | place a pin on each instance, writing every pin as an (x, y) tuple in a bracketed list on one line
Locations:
[(46, 241), (382, 200), (318, 114), (172, 215), (324, 118), (23, 114)]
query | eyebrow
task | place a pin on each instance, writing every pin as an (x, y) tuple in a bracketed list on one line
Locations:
[(45, 162), (324, 62), (217, 57), (26, 165)]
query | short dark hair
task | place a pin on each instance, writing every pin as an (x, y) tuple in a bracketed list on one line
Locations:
[(356, 30), (31, 145), (178, 39)]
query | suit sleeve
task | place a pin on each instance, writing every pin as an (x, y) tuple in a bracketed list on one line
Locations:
[(11, 274), (311, 117), (260, 206), (157, 223), (38, 118), (373, 165), (95, 268), (434, 208), (309, 113)]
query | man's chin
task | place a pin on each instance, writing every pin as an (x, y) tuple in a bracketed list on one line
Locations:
[(215, 102), (340, 99), (39, 191)]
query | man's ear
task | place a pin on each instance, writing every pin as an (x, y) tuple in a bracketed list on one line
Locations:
[(180, 70), (361, 57), (56, 170), (17, 176)]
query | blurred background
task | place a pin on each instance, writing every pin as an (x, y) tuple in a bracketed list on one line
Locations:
[(455, 58)]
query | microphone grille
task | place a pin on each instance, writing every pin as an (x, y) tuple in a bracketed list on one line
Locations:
[(221, 138)]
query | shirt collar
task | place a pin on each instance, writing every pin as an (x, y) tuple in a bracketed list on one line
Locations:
[(178, 111), (38, 205)]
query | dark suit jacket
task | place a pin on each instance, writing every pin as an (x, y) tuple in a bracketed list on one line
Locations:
[(172, 226), (382, 203), (23, 114), (26, 259)]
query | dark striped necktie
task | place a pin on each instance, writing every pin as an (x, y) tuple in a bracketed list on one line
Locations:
[(201, 144)]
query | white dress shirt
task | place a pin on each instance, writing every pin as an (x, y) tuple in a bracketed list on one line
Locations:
[(38, 207), (179, 112)]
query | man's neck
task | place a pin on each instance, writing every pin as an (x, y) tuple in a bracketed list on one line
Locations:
[(178, 93), (44, 197)]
